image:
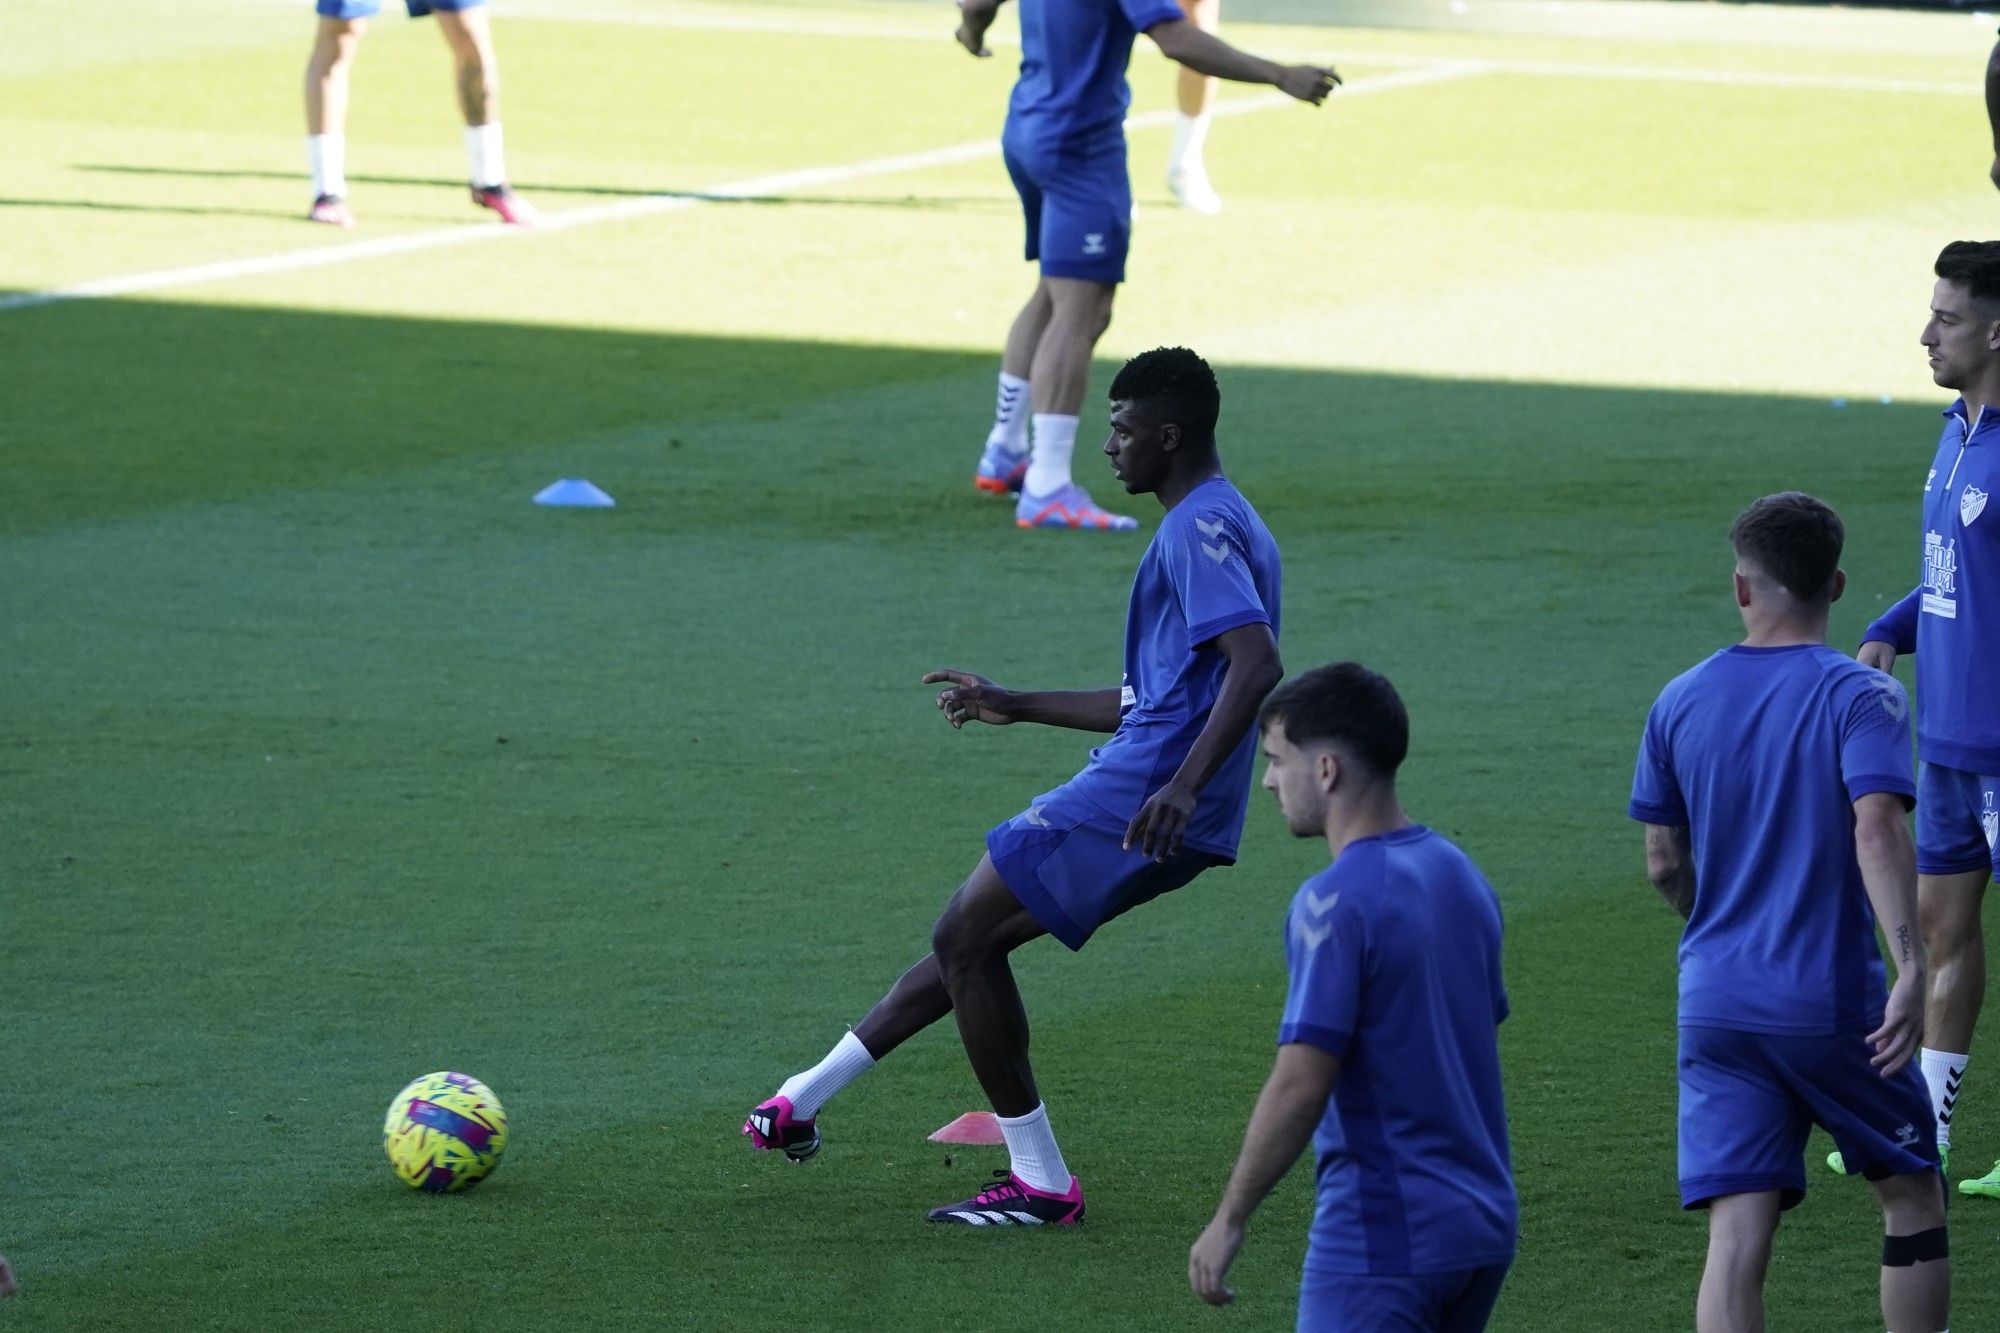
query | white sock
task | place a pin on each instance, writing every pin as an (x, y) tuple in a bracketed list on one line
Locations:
[(1048, 465), (847, 1061), (327, 155), (1031, 1148), (1010, 415), (485, 154), (1190, 136), (1942, 1072)]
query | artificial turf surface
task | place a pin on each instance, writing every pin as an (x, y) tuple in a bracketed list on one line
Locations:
[(326, 760)]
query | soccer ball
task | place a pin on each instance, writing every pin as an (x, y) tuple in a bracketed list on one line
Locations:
[(444, 1132)]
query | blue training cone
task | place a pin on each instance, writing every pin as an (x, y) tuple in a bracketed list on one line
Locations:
[(574, 493)]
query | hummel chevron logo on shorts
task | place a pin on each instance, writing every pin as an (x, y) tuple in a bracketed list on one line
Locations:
[(1011, 1202)]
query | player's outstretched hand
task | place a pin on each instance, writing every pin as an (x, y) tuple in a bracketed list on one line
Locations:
[(1161, 822), (1902, 1030), (1309, 83), (8, 1286), (972, 699), (1877, 654), (1209, 1259), (975, 17)]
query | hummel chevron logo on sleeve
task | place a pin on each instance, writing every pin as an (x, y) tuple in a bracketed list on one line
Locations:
[(1209, 529)]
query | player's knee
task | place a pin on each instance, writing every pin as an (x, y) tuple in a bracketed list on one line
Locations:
[(1948, 929)]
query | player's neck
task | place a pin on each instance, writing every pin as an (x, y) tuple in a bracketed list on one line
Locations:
[(1369, 815), (1177, 485), (1784, 631)]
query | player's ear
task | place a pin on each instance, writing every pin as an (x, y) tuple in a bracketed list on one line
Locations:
[(1742, 590), (1839, 584), (1327, 769), (1170, 437)]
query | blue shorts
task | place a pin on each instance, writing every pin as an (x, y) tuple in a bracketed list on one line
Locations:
[(1066, 861), (1749, 1101), (368, 9), (1078, 207), (1958, 821), (1457, 1302)]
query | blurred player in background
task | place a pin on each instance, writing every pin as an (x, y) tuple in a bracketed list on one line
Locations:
[(1161, 801), (1773, 779), (1065, 150), (1388, 1053), (342, 23), (1951, 621), (1187, 172)]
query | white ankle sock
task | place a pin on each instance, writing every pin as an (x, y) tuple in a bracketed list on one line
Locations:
[(1031, 1148), (1048, 465), (485, 154), (1190, 136), (847, 1061), (1010, 415), (1942, 1072), (326, 154)]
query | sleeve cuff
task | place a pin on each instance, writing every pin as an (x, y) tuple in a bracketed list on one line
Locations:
[(1331, 1040), (1666, 816), (1208, 631), (1870, 783)]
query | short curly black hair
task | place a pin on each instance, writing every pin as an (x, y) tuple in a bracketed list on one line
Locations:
[(1179, 382)]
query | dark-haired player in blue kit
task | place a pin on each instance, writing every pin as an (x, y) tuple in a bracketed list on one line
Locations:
[(342, 23), (1773, 780), (1388, 1057), (1065, 150), (1161, 801)]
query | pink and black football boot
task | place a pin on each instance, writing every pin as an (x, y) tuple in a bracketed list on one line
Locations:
[(771, 1125), (1012, 1202)]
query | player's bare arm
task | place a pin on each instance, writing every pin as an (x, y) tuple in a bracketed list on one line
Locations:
[(1670, 865), (1875, 653), (1253, 672), (972, 698), (1889, 872), (1289, 1107), (1204, 53), (974, 18)]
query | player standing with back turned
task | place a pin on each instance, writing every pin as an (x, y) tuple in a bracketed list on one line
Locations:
[(1065, 150), (1773, 779)]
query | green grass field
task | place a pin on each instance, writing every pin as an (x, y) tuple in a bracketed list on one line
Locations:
[(327, 760)]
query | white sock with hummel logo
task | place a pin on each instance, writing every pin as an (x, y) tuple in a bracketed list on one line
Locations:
[(1032, 1151), (847, 1061), (1048, 465), (1942, 1072), (1010, 415)]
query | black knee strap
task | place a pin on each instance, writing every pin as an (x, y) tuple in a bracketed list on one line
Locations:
[(1924, 1246)]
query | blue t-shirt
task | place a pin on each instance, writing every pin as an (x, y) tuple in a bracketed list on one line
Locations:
[(1761, 753), (1212, 567), (1394, 953), (1951, 620), (1072, 93)]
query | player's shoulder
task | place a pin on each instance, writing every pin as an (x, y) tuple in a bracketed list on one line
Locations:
[(1676, 694), (1851, 684), (1216, 509)]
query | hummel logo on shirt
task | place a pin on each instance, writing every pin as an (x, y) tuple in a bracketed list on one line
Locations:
[(1093, 243), (1034, 816)]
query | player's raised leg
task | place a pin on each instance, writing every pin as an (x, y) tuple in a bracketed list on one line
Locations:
[(1948, 907), (477, 78), (1187, 172), (1080, 312), (342, 24), (1916, 1264), (1740, 1228)]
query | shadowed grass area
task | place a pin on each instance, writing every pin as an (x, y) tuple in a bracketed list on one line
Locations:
[(330, 760)]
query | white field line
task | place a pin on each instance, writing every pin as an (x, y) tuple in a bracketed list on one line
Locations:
[(652, 205)]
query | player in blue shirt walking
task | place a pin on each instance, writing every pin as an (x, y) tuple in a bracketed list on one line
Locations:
[(1388, 1058), (1773, 779), (1952, 622), (1065, 150), (1160, 802)]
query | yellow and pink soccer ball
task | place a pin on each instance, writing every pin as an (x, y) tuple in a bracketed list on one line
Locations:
[(444, 1133)]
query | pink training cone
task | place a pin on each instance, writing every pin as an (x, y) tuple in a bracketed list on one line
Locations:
[(976, 1127)]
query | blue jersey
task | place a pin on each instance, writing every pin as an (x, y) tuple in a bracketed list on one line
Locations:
[(1951, 620), (1212, 567), (1394, 953), (1761, 754), (1072, 93)]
